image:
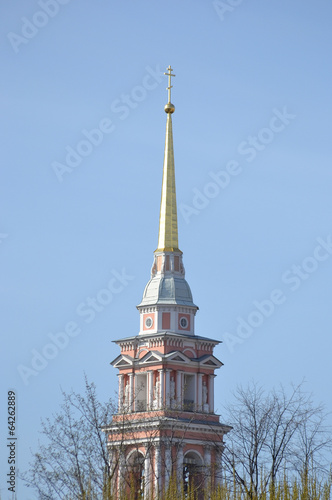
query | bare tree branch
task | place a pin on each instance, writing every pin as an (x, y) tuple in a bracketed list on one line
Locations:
[(272, 433)]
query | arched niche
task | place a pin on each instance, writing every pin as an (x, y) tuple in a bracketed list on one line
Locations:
[(135, 476), (193, 473)]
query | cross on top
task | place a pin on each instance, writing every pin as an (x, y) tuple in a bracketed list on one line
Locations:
[(169, 74)]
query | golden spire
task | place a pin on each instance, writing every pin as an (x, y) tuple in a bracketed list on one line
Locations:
[(168, 221)]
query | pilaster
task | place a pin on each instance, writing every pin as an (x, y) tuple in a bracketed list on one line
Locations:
[(120, 401), (207, 465), (131, 392), (157, 470), (199, 391), (147, 469), (150, 389), (162, 388), (179, 395), (179, 466), (168, 464), (121, 472), (211, 393), (168, 388)]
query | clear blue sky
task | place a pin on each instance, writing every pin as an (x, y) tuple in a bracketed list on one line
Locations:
[(253, 107)]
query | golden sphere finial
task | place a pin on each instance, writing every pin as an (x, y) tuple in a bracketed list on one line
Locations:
[(169, 108)]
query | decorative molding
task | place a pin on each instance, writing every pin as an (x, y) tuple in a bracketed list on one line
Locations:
[(122, 361)]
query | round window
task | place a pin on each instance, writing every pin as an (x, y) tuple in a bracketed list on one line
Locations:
[(183, 322), (148, 322)]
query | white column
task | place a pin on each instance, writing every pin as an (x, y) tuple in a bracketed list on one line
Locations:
[(168, 388), (195, 392), (218, 469), (113, 463), (121, 472), (131, 392), (157, 471), (207, 466), (120, 403), (211, 393), (168, 465), (179, 389), (162, 388), (150, 390), (199, 391), (147, 474), (179, 467)]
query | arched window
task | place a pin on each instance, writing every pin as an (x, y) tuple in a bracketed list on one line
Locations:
[(135, 478), (193, 475)]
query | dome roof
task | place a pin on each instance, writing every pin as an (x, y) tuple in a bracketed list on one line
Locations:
[(167, 290)]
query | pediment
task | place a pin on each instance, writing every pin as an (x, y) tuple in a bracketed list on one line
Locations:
[(152, 357), (178, 356), (210, 361), (122, 361)]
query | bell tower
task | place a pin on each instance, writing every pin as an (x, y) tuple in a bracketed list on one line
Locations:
[(166, 433)]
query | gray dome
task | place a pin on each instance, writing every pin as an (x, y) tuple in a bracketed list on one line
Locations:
[(167, 290)]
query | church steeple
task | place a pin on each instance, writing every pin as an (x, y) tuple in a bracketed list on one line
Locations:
[(167, 303), (166, 422), (168, 221)]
